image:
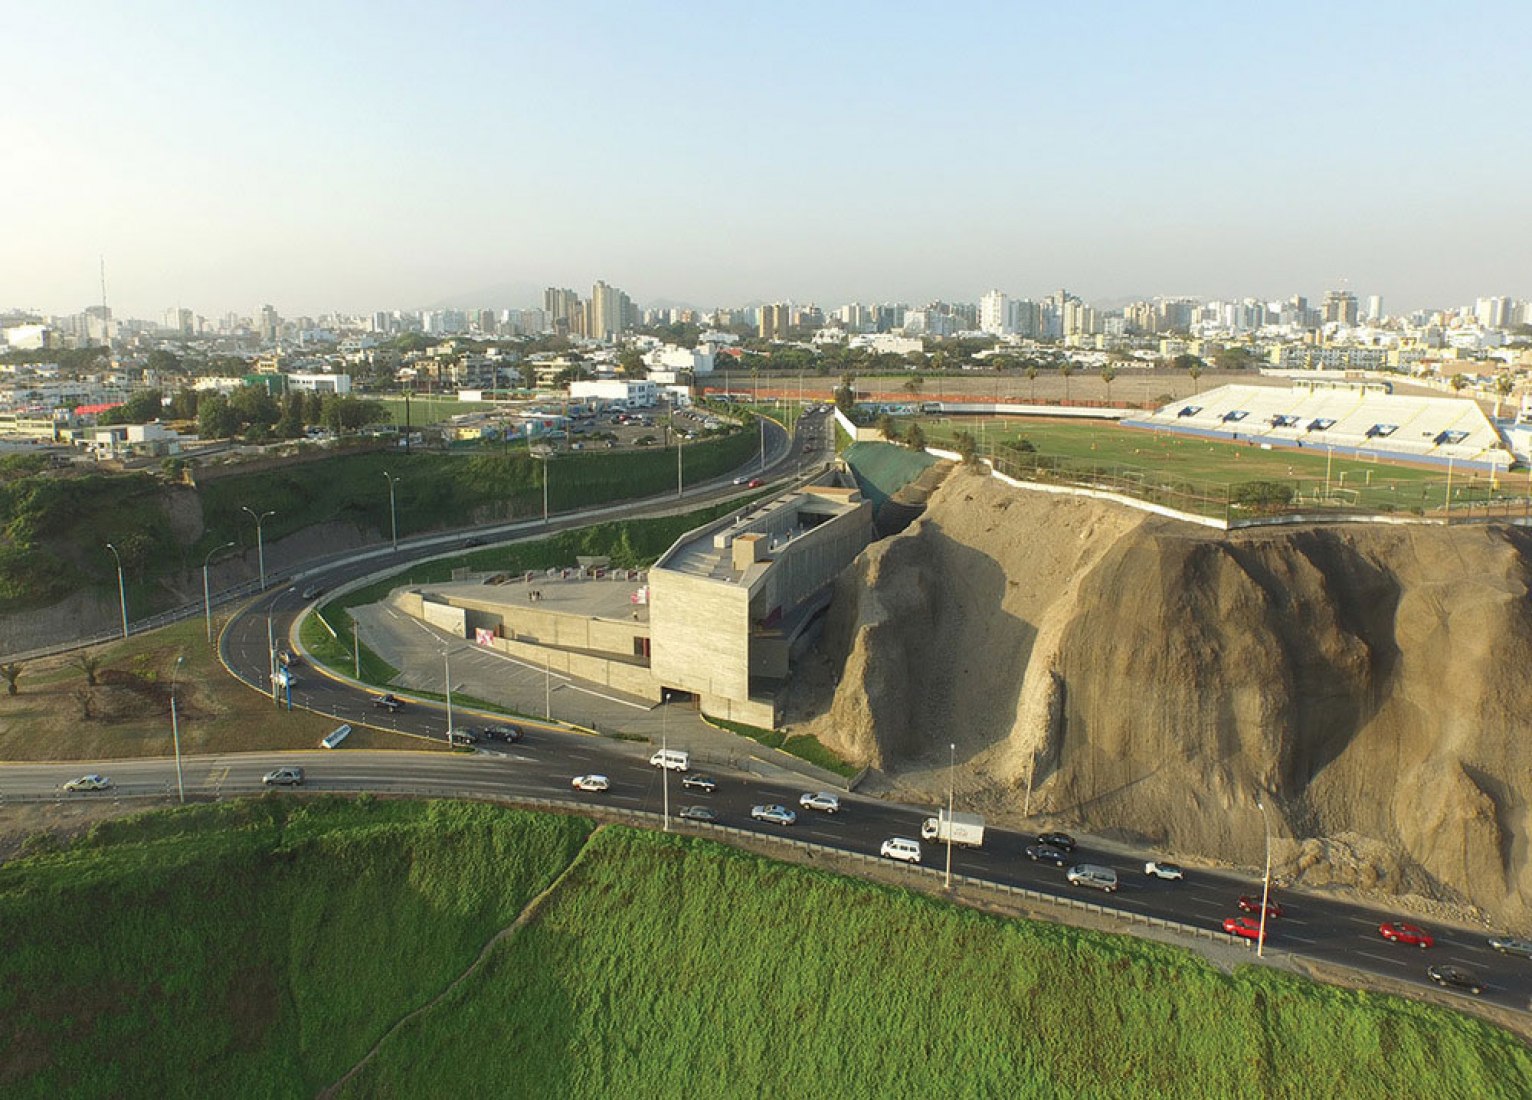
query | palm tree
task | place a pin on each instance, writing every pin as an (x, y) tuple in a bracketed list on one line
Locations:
[(10, 673), (1032, 381), (1066, 369), (1108, 373), (1196, 373)]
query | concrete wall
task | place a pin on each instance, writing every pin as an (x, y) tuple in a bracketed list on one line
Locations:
[(556, 628), (751, 712), (811, 561), (631, 679), (454, 620), (702, 634)]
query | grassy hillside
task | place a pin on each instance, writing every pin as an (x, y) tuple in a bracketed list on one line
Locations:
[(54, 529), (671, 967), (253, 949), (262, 948)]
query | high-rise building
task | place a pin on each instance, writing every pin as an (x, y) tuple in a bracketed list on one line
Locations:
[(1375, 307), (773, 321), (995, 314), (611, 312), (563, 310), (1493, 312), (268, 324), (1340, 307)]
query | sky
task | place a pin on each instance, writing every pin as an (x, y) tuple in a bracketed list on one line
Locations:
[(374, 155)]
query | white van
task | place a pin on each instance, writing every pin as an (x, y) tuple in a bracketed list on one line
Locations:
[(1092, 874), (674, 759), (899, 847)]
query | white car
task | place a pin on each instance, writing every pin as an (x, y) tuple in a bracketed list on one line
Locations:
[(591, 783), (899, 847), (1157, 868), (88, 783), (820, 800)]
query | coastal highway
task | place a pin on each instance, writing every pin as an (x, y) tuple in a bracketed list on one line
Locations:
[(1317, 928)]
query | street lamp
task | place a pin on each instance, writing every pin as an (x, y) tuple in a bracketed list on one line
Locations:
[(207, 599), (665, 755), (175, 729), (951, 800), (122, 591), (1260, 942), (393, 516), (260, 546), (447, 672)]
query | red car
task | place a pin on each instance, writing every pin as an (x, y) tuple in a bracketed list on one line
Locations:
[(1397, 932), (1248, 927), (755, 483), (1251, 903)]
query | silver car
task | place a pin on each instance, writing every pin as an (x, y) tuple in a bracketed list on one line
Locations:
[(777, 815), (1510, 945), (283, 777)]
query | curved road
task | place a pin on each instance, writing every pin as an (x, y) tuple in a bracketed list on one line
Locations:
[(1315, 928)]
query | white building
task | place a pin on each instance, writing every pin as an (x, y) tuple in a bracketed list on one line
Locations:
[(338, 384), (698, 360), (27, 337), (886, 342), (636, 393), (995, 314)]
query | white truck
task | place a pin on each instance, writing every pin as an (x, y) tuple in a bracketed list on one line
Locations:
[(964, 830)]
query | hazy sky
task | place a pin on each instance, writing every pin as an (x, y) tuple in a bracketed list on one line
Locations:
[(377, 155)]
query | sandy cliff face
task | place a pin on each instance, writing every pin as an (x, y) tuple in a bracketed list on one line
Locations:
[(1150, 678)]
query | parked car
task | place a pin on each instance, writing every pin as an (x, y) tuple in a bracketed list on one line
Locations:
[(1452, 977), (1399, 932), (1157, 868), (1510, 945), (1046, 853), (776, 815), (820, 800), (89, 783), (704, 783), (1251, 903), (508, 732), (1057, 840), (591, 783), (1247, 927), (388, 702), (283, 777), (699, 813), (902, 848)]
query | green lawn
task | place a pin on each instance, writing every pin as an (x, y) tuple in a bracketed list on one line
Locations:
[(431, 410), (260, 948)]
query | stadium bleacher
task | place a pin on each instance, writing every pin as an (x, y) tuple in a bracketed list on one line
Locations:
[(1361, 418)]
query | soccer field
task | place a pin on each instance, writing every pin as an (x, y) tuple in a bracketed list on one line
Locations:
[(1209, 469)]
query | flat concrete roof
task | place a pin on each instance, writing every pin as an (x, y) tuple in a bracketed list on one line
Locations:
[(603, 598), (709, 552)]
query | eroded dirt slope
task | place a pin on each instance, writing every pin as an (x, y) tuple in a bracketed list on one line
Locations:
[(1151, 677)]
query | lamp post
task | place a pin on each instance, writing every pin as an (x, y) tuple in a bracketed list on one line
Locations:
[(260, 545), (951, 800), (175, 729), (679, 441), (1260, 941), (393, 516), (122, 591), (447, 674), (664, 755), (207, 598)]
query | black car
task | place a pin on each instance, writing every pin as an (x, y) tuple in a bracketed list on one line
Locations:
[(1452, 977), (1057, 840), (507, 732), (698, 813), (388, 702), (463, 735), (700, 783), (471, 541), (1047, 854)]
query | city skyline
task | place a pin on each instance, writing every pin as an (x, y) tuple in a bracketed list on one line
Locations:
[(324, 160)]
